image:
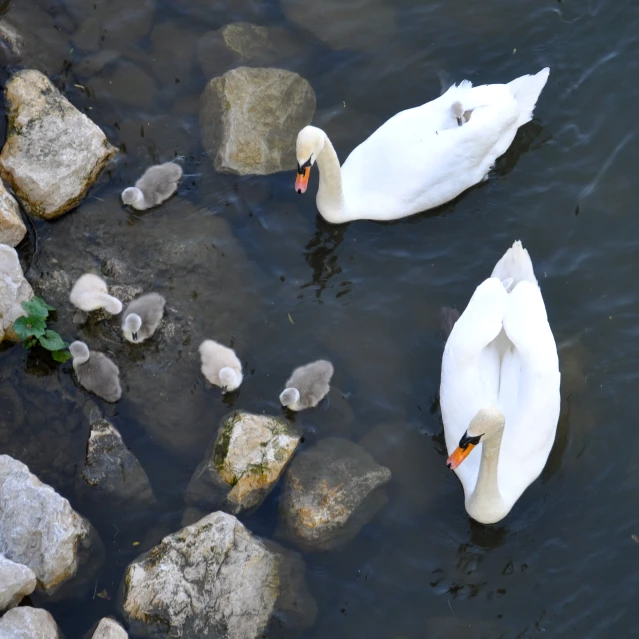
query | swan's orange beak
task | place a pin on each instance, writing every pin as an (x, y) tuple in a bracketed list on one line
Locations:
[(458, 456), (302, 179)]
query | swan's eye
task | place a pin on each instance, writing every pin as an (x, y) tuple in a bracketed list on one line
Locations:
[(302, 167), (465, 441)]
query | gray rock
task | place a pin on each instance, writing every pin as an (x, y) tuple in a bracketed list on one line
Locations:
[(12, 228), (330, 492), (16, 581), (53, 153), (250, 119), (215, 579), (244, 463), (109, 629), (243, 43), (339, 22), (112, 473), (14, 289), (28, 623), (38, 528)]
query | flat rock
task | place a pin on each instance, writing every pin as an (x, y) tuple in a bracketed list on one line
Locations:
[(339, 22), (215, 579), (330, 491), (243, 43), (53, 153), (38, 527), (14, 289), (28, 623), (250, 119), (16, 581), (109, 629), (112, 474), (248, 457), (12, 228)]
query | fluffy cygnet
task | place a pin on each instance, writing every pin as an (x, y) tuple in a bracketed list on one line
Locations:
[(220, 365), (142, 317), (96, 372), (90, 293), (308, 385), (157, 184)]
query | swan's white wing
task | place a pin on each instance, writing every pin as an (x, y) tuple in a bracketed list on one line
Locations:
[(532, 408), (470, 370), (409, 165)]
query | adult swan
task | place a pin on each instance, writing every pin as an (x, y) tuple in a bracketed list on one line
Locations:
[(500, 389), (421, 157)]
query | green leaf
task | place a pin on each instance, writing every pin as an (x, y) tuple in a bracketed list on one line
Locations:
[(61, 356), (29, 326), (51, 341), (49, 308), (30, 342), (36, 308)]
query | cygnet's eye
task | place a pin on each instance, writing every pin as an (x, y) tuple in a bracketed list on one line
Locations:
[(466, 440)]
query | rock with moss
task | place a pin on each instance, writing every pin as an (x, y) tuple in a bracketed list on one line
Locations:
[(244, 462), (12, 228), (39, 529), (250, 119), (112, 473), (16, 581), (215, 579), (14, 289), (330, 491), (53, 153), (28, 623)]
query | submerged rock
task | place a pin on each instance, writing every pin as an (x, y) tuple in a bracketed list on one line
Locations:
[(250, 119), (109, 629), (28, 623), (14, 289), (243, 43), (38, 527), (16, 581), (330, 492), (215, 579), (243, 465), (339, 22), (112, 473), (12, 228), (53, 153)]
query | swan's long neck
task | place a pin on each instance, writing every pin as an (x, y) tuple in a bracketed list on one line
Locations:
[(486, 504), (330, 196)]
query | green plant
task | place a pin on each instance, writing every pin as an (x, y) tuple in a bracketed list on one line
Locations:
[(33, 330)]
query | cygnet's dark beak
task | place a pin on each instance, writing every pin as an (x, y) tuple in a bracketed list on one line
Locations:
[(134, 336), (459, 121)]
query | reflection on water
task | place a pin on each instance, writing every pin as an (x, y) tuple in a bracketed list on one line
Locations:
[(249, 262)]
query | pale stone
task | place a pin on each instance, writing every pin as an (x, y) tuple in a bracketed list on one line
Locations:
[(53, 153), (12, 228), (16, 581), (28, 623), (14, 289), (109, 629), (250, 119)]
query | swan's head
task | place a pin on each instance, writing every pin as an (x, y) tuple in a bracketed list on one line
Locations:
[(79, 351), (486, 423), (289, 397), (133, 197), (132, 324), (229, 379), (310, 142)]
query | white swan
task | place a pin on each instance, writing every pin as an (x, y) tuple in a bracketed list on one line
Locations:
[(500, 389), (421, 157), (158, 184), (90, 293)]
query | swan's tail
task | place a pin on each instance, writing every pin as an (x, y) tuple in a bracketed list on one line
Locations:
[(514, 267), (526, 91)]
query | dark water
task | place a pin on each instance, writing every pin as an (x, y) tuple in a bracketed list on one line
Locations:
[(236, 257)]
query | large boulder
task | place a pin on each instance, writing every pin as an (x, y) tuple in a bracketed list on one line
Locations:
[(109, 629), (14, 289), (53, 153), (245, 461), (330, 491), (16, 581), (12, 228), (339, 22), (112, 474), (28, 623), (215, 579), (38, 528), (250, 119)]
